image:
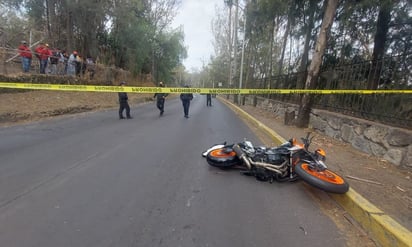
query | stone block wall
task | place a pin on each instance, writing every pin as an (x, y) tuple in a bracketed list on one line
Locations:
[(390, 143)]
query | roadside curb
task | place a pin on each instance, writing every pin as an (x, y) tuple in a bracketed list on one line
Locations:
[(382, 227)]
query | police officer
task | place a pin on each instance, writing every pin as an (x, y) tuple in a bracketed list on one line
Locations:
[(186, 98), (160, 99), (208, 99), (124, 105)]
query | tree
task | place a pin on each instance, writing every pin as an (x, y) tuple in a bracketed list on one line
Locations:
[(124, 33), (313, 71), (170, 54), (220, 63), (308, 26), (382, 27), (289, 23)]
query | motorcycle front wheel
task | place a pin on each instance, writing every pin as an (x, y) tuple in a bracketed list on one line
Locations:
[(325, 180), (222, 158)]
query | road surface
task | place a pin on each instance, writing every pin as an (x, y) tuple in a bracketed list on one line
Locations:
[(94, 180)]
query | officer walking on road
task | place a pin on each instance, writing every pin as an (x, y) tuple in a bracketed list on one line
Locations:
[(186, 98), (160, 99), (124, 105), (208, 99)]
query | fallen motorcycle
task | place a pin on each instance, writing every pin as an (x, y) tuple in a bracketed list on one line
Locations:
[(287, 162)]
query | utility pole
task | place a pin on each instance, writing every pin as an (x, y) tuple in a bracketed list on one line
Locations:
[(230, 4), (243, 52), (235, 37), (235, 43)]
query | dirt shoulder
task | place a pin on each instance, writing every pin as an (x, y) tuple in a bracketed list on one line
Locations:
[(380, 182), (16, 108)]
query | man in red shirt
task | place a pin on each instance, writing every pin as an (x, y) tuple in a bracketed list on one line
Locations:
[(38, 51), (25, 54), (45, 53)]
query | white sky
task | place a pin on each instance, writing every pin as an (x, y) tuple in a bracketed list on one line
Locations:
[(196, 17)]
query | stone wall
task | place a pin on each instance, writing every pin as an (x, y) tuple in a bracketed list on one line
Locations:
[(390, 143)]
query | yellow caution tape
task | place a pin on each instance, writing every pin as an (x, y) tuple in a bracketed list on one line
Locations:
[(92, 88)]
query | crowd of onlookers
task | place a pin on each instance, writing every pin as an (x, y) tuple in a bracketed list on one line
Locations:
[(56, 61)]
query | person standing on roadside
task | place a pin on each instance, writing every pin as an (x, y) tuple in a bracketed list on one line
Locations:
[(62, 64), (25, 54), (123, 103), (37, 52), (90, 67), (186, 98), (45, 53), (71, 64), (79, 64), (54, 61), (160, 99)]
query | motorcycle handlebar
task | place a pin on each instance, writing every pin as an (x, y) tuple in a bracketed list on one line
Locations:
[(307, 140)]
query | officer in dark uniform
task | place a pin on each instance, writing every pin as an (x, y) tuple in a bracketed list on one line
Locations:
[(124, 105), (186, 98), (160, 99), (208, 99)]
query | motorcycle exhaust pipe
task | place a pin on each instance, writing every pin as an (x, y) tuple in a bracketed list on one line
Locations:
[(279, 169), (242, 156)]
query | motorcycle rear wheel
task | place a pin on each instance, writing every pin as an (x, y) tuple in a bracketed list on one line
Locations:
[(222, 158), (325, 180)]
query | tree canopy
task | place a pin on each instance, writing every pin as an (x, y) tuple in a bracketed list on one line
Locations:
[(280, 36), (134, 35)]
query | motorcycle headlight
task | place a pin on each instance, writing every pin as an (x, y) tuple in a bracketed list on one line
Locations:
[(320, 154)]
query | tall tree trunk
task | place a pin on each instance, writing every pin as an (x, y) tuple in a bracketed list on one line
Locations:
[(285, 40), (49, 33), (313, 72), (272, 34), (308, 36), (69, 31), (55, 24), (382, 28)]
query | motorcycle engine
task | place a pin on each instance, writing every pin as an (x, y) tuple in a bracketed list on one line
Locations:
[(269, 155), (275, 156)]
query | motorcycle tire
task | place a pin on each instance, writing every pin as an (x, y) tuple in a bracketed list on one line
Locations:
[(222, 158), (325, 180)]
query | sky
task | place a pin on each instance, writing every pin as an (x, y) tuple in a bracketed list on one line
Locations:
[(196, 18)]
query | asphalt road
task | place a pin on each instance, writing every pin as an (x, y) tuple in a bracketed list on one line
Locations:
[(94, 180)]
